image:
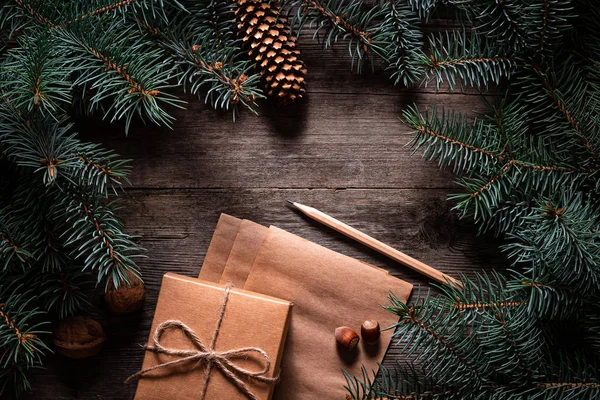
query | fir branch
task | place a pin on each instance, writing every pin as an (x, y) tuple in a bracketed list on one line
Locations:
[(30, 8), (134, 81), (22, 338), (424, 8), (33, 76), (443, 128), (427, 324), (20, 345), (64, 293), (563, 246), (401, 41), (210, 61), (475, 60), (8, 246), (352, 21), (503, 21), (403, 382), (545, 298), (568, 115), (96, 236), (550, 20), (101, 10)]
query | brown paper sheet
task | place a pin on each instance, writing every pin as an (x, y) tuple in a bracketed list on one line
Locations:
[(247, 243), (251, 320), (219, 248), (328, 290)]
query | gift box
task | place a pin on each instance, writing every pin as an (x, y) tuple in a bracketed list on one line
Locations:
[(210, 341)]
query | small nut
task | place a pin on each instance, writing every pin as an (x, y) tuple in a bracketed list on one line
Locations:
[(346, 337), (370, 331), (78, 337), (129, 297)]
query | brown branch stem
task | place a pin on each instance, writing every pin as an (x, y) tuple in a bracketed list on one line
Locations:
[(95, 165), (340, 21), (482, 306), (134, 85), (494, 179), (22, 338), (568, 385), (101, 10), (102, 234), (11, 244), (412, 319), (567, 114), (32, 11), (499, 157), (440, 63)]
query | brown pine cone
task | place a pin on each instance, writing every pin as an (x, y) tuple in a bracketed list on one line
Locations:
[(265, 33)]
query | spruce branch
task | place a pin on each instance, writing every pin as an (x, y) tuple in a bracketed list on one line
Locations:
[(333, 20), (563, 245), (453, 131), (125, 81), (475, 60), (423, 8), (442, 334), (502, 21), (96, 236), (20, 344), (210, 62), (552, 17), (101, 10), (544, 297), (33, 76), (66, 292), (568, 115), (36, 9), (401, 43)]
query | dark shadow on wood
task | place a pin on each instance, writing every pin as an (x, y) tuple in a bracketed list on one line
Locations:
[(288, 121)]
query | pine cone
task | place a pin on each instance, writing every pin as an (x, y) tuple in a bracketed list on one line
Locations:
[(265, 33)]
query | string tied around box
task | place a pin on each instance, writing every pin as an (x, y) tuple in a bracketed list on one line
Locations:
[(207, 355)]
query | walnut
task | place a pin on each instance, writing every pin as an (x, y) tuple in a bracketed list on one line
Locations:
[(78, 337), (127, 298)]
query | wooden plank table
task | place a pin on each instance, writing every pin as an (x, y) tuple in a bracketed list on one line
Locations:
[(341, 151)]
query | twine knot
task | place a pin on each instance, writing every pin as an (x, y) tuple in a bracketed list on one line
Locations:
[(207, 355)]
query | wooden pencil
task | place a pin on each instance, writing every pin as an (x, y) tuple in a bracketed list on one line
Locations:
[(376, 245)]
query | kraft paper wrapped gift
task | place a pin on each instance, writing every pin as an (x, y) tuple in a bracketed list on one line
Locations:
[(250, 320)]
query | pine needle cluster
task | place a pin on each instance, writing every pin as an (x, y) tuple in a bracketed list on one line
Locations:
[(529, 168)]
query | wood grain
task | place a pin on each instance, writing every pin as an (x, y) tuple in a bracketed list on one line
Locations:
[(177, 226), (341, 151)]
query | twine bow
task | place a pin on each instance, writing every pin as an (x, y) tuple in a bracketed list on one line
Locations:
[(207, 354)]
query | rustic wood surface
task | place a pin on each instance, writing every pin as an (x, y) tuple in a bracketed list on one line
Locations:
[(341, 151)]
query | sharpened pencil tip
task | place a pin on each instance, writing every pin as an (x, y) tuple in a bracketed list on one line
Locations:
[(291, 202)]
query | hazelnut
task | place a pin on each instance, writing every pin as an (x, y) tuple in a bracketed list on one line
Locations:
[(370, 331), (346, 337), (129, 297), (78, 337)]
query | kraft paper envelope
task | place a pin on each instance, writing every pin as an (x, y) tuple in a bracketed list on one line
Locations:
[(239, 252), (328, 290), (248, 241), (219, 248)]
